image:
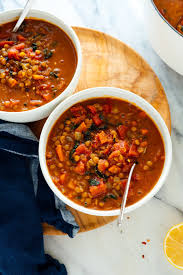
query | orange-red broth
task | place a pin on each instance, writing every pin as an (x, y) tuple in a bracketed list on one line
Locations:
[(92, 147), (37, 63), (172, 10)]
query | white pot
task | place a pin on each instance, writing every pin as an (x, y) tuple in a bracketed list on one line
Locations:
[(165, 40), (45, 110), (113, 93)]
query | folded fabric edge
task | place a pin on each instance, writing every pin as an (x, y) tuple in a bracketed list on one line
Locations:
[(18, 130), (63, 219), (67, 215)]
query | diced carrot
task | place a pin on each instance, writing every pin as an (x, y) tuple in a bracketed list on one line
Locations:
[(133, 151), (60, 152), (62, 178), (21, 37), (103, 137), (19, 46), (114, 169), (103, 165), (78, 110), (80, 168), (97, 120), (71, 184), (92, 109), (35, 102), (122, 146), (82, 149), (79, 119), (98, 190), (47, 96), (144, 131), (2, 43), (13, 54), (82, 127), (114, 154), (38, 76), (12, 82), (122, 129)]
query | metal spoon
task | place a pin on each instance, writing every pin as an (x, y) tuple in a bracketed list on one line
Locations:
[(120, 218), (23, 15)]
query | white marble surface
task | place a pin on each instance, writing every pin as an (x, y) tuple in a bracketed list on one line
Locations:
[(105, 250)]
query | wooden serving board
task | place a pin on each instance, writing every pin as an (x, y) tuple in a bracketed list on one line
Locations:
[(109, 62)]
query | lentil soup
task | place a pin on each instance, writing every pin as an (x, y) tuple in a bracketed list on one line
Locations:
[(36, 64), (92, 147), (172, 10)]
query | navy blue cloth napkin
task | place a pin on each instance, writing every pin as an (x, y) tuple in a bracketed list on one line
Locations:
[(25, 202)]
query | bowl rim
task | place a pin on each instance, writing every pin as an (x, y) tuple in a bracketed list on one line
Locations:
[(174, 29), (114, 93), (76, 44)]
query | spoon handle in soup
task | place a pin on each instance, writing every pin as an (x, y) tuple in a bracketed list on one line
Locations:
[(120, 218), (23, 15)]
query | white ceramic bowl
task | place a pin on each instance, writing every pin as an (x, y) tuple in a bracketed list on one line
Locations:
[(114, 93), (165, 40), (45, 110)]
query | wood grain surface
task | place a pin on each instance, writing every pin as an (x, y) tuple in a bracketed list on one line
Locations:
[(109, 62)]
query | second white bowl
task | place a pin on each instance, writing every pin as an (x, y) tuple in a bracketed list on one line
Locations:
[(45, 110)]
